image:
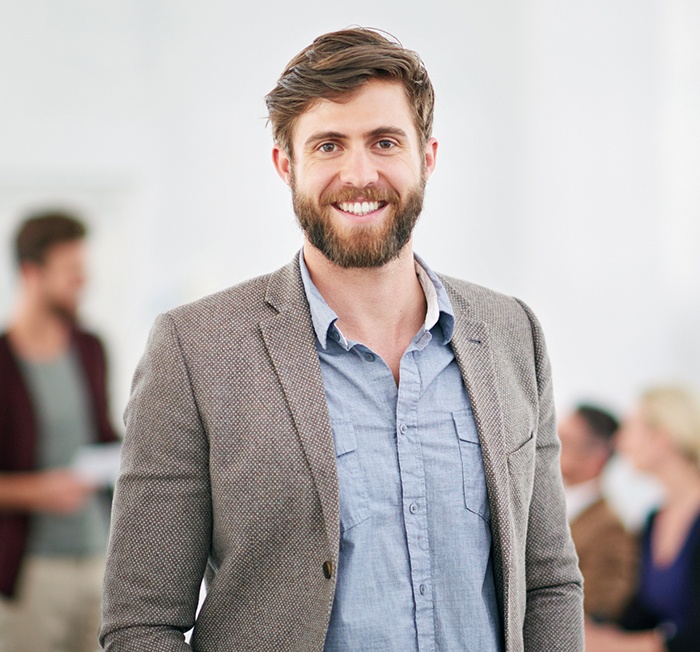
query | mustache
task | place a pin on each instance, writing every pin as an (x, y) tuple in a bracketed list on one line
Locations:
[(350, 193)]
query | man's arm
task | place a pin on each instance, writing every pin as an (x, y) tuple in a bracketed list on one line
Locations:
[(161, 522), (58, 491), (554, 612)]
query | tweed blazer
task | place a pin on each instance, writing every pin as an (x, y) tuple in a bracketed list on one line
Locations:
[(229, 471)]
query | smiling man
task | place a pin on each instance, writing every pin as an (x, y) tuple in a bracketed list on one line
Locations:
[(357, 453)]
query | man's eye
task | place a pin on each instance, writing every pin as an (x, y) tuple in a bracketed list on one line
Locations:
[(327, 147), (385, 144)]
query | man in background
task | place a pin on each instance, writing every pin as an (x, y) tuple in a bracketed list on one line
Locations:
[(607, 552), (53, 402)]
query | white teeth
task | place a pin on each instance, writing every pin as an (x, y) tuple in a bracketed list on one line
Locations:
[(359, 208)]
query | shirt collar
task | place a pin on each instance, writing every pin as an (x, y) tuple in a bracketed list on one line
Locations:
[(439, 307), (580, 497)]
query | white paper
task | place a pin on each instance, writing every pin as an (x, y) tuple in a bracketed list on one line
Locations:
[(98, 464)]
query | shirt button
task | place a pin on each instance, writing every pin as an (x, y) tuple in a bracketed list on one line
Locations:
[(369, 357), (328, 569), (423, 589), (413, 508), (403, 428)]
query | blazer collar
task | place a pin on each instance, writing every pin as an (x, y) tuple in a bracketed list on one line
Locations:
[(473, 351), (289, 338)]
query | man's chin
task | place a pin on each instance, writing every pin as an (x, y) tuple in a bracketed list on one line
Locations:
[(359, 252), (67, 314)]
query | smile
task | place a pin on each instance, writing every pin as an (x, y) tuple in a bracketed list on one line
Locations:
[(360, 208)]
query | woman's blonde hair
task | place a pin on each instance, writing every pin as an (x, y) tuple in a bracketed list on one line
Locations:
[(676, 411)]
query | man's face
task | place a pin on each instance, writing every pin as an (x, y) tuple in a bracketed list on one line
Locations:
[(59, 280), (583, 457), (358, 174)]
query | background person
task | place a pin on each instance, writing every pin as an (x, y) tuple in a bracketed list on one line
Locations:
[(607, 552), (53, 401), (662, 437)]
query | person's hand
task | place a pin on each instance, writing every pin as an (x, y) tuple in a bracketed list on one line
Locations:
[(604, 638), (600, 638), (58, 491)]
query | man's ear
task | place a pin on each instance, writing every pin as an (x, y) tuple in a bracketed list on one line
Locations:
[(29, 269), (430, 154), (282, 163)]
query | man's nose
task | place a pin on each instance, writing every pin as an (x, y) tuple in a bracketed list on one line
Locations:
[(358, 169)]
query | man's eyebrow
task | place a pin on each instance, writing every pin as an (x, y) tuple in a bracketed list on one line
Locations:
[(324, 135), (386, 131), (336, 135)]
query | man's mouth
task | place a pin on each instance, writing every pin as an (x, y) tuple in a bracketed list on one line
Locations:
[(360, 208)]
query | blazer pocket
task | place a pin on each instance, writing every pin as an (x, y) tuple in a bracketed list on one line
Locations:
[(354, 498), (521, 468), (473, 478)]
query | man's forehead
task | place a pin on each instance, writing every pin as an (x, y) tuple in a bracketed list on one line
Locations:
[(375, 106)]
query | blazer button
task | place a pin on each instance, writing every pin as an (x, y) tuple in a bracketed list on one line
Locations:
[(328, 569)]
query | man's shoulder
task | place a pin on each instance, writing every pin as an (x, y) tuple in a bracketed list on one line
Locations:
[(598, 517), (484, 304), (248, 302), (473, 291), (86, 336)]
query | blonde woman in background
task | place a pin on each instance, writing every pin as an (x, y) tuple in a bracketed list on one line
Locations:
[(662, 438)]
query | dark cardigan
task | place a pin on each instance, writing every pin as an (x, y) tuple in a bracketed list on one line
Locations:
[(637, 617), (18, 438)]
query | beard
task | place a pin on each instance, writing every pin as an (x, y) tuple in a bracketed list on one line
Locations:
[(66, 311), (364, 245)]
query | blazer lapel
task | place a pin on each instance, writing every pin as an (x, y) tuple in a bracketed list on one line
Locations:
[(472, 349), (289, 338)]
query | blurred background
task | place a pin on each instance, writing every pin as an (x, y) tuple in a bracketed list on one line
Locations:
[(568, 169)]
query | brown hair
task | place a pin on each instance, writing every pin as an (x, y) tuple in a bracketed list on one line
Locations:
[(41, 231), (338, 63)]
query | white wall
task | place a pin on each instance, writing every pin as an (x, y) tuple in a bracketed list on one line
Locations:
[(567, 171)]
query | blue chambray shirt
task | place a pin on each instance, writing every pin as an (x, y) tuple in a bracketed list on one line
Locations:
[(415, 570)]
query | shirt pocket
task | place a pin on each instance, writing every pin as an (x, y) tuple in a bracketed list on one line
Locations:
[(473, 478), (354, 498)]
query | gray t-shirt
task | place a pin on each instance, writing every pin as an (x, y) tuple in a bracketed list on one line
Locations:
[(62, 411)]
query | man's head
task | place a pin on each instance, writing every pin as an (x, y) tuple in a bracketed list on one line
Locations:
[(586, 443), (336, 65), (352, 119), (51, 259)]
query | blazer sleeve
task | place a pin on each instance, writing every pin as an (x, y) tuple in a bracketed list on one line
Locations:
[(161, 519), (554, 610)]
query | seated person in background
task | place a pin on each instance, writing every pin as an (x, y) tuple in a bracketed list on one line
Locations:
[(662, 437), (607, 552)]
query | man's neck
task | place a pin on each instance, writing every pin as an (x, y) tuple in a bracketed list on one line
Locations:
[(381, 307), (38, 334)]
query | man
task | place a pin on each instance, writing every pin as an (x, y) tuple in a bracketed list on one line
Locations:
[(53, 525), (606, 551), (359, 455)]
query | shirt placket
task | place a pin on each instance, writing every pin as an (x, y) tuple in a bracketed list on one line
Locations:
[(412, 473)]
